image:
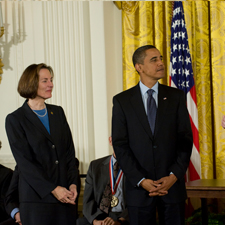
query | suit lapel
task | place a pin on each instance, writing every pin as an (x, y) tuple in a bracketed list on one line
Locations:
[(30, 115), (105, 170), (162, 105), (138, 106), (103, 178)]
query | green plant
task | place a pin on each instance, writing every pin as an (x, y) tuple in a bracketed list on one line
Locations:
[(213, 218)]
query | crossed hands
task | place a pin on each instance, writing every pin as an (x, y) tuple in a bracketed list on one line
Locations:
[(159, 187), (106, 221), (64, 195)]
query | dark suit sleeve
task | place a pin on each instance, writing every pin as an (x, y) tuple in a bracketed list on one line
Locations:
[(12, 195), (124, 215), (90, 207), (32, 171), (185, 140), (121, 146)]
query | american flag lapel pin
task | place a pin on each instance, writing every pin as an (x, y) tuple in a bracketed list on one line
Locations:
[(164, 98)]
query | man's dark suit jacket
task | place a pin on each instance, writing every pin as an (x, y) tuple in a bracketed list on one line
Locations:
[(142, 155), (44, 160), (5, 178), (96, 181)]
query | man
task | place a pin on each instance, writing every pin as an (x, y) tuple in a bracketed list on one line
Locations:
[(103, 201), (152, 139)]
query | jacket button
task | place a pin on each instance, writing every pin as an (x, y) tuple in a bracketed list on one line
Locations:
[(155, 146), (53, 146), (56, 162)]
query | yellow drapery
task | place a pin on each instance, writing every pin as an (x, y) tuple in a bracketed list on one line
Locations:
[(145, 22)]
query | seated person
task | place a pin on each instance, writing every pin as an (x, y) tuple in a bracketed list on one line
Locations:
[(12, 200), (104, 200), (5, 178)]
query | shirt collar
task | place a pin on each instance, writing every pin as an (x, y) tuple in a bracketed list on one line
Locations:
[(114, 159), (144, 88)]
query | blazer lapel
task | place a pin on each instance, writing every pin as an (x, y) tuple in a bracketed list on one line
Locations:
[(53, 122), (30, 115), (162, 105), (138, 106)]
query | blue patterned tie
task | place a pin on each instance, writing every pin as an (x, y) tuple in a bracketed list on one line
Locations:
[(151, 110)]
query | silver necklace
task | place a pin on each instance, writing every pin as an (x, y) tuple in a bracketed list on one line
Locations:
[(41, 115)]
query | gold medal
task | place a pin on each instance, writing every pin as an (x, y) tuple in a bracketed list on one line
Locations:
[(114, 201)]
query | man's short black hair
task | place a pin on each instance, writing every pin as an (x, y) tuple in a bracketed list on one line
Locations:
[(139, 54)]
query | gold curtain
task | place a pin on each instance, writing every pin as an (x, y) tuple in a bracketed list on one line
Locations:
[(145, 22)]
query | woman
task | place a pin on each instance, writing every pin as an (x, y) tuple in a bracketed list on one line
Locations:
[(42, 145)]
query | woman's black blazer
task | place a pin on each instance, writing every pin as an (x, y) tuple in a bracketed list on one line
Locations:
[(44, 160)]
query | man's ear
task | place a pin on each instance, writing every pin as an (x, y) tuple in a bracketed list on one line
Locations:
[(138, 67)]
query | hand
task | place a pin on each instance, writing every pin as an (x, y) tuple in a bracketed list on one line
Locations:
[(166, 184), (97, 222), (17, 218), (73, 189), (110, 221), (63, 195), (150, 186), (223, 122)]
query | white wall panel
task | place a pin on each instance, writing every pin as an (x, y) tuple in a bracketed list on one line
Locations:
[(64, 40), (99, 78)]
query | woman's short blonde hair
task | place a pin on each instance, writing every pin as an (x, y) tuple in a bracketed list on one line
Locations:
[(28, 83)]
